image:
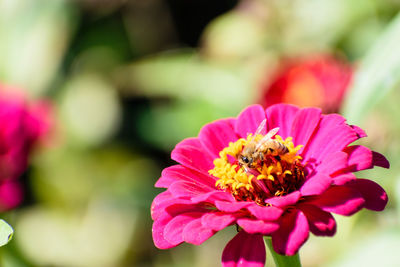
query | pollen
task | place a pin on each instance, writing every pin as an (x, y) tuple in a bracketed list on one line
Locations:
[(274, 175)]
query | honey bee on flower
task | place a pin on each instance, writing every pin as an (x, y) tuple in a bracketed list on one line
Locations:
[(283, 186), (254, 152)]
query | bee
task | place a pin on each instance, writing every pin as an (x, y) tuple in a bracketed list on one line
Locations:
[(255, 151)]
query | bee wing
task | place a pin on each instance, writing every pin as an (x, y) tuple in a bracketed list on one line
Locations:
[(261, 127), (268, 136)]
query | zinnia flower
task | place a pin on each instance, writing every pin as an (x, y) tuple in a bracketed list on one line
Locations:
[(318, 81), (285, 194), (21, 125)]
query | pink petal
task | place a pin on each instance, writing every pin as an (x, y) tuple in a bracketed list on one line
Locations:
[(257, 226), (343, 178), (166, 180), (282, 116), (244, 250), (333, 162), (341, 200), (217, 220), (178, 208), (181, 173), (360, 132), (374, 195), (249, 120), (316, 185), (292, 234), (321, 223), (163, 220), (267, 213), (231, 206), (284, 201), (333, 135), (196, 233), (212, 197), (360, 158), (11, 194), (304, 124), (186, 189), (165, 200), (190, 153), (158, 233), (380, 160), (173, 231), (216, 136), (159, 199)]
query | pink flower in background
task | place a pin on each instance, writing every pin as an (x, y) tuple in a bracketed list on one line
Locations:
[(21, 126), (287, 193), (318, 81)]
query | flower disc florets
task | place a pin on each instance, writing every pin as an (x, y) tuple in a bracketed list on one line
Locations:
[(275, 175)]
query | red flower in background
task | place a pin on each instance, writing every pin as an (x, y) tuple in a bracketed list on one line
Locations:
[(21, 126), (319, 81), (287, 193)]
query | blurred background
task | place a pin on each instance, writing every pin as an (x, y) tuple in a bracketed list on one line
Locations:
[(128, 79)]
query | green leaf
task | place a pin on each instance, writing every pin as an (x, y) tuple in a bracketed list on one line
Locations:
[(378, 73), (6, 232)]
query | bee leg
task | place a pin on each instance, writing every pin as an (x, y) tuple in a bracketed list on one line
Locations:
[(260, 158)]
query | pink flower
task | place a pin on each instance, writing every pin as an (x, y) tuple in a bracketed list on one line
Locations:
[(286, 194), (318, 81), (21, 125)]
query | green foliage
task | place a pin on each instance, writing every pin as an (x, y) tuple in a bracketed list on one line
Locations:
[(34, 36), (378, 73), (183, 74)]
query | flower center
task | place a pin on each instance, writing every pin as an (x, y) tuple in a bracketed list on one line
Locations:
[(252, 171)]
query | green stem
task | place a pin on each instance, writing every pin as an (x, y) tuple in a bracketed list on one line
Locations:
[(281, 260)]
